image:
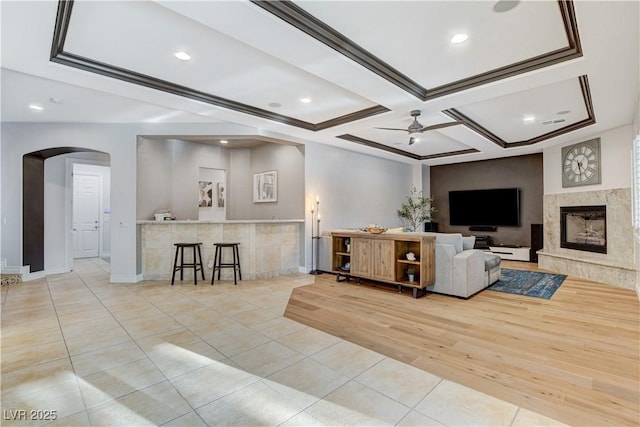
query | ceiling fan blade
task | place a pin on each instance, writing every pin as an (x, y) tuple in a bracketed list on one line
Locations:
[(440, 126), (403, 130)]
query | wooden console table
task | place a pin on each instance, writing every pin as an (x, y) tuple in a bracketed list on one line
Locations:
[(383, 257)]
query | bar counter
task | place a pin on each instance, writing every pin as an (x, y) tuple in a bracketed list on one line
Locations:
[(268, 248)]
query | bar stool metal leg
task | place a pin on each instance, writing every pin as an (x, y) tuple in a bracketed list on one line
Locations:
[(201, 264), (181, 263), (215, 265), (236, 250), (235, 263), (175, 263), (195, 267)]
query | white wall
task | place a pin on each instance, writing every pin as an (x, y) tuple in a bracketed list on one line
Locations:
[(55, 219), (354, 189), (615, 149)]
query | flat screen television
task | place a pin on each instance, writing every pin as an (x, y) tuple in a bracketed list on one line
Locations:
[(492, 207)]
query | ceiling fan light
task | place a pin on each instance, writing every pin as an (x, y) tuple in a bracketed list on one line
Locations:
[(415, 135)]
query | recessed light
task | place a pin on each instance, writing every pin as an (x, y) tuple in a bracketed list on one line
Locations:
[(305, 100), (55, 100), (224, 141), (182, 56), (275, 105), (36, 107), (529, 119), (459, 38), (563, 112)]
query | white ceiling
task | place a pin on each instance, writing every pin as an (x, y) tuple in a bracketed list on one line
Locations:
[(364, 64)]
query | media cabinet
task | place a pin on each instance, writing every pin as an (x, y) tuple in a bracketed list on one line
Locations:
[(515, 253), (383, 257)]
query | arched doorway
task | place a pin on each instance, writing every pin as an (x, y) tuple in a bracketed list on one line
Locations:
[(34, 206)]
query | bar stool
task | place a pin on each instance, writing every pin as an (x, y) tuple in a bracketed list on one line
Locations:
[(219, 265), (196, 265)]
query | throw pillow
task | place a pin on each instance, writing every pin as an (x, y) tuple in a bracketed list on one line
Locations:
[(468, 242)]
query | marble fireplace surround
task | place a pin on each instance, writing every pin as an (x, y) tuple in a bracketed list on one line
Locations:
[(618, 266)]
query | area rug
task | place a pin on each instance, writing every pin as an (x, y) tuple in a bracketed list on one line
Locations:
[(528, 283)]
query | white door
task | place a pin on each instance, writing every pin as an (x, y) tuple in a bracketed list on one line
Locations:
[(86, 215)]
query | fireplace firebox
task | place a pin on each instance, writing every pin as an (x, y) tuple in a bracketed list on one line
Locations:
[(584, 228)]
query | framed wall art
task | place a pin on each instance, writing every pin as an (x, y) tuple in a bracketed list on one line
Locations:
[(265, 187), (205, 199)]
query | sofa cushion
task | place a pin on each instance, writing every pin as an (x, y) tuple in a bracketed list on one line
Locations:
[(454, 239), (468, 242), (491, 261)]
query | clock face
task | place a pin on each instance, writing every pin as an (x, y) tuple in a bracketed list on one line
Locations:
[(581, 164)]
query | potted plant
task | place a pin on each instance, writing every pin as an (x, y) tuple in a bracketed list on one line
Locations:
[(416, 210), (411, 273), (347, 245)]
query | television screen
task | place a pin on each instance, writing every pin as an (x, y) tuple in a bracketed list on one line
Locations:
[(499, 206)]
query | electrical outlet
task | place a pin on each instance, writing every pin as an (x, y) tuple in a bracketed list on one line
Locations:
[(210, 264)]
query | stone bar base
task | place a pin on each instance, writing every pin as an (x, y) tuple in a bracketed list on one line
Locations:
[(596, 270), (267, 248)]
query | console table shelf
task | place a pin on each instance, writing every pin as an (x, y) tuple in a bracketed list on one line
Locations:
[(383, 257)]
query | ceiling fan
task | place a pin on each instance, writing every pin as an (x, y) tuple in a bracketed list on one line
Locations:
[(416, 129)]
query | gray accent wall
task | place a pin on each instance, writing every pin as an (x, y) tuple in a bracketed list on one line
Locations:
[(524, 172), (288, 161), (168, 175)]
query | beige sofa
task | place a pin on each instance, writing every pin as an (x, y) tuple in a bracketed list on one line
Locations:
[(461, 270)]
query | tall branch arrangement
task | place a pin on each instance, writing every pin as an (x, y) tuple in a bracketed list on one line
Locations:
[(416, 210)]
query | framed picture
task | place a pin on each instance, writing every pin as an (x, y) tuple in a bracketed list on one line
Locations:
[(265, 187), (205, 199), (221, 197)]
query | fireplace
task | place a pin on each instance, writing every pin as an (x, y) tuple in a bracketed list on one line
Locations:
[(584, 228)]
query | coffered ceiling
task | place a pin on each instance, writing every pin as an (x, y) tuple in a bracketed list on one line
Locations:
[(530, 73)]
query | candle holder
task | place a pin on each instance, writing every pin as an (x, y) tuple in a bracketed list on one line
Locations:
[(315, 238)]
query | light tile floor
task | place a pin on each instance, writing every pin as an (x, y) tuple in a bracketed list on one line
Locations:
[(86, 352)]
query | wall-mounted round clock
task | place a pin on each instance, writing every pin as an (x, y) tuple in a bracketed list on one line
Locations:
[(581, 164)]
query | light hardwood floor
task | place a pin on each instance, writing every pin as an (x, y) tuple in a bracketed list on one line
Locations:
[(574, 358)]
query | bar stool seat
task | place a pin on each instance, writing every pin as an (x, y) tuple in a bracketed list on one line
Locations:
[(219, 265), (196, 264)]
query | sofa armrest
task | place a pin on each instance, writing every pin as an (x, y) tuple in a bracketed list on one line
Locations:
[(468, 272)]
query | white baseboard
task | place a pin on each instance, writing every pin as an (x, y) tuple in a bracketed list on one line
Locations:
[(9, 269), (123, 278), (59, 270), (33, 276), (304, 269)]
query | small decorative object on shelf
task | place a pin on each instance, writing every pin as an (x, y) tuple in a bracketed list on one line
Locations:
[(411, 256), (347, 245), (376, 229), (411, 273)]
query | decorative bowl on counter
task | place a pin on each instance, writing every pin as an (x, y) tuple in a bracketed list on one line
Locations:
[(376, 230)]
